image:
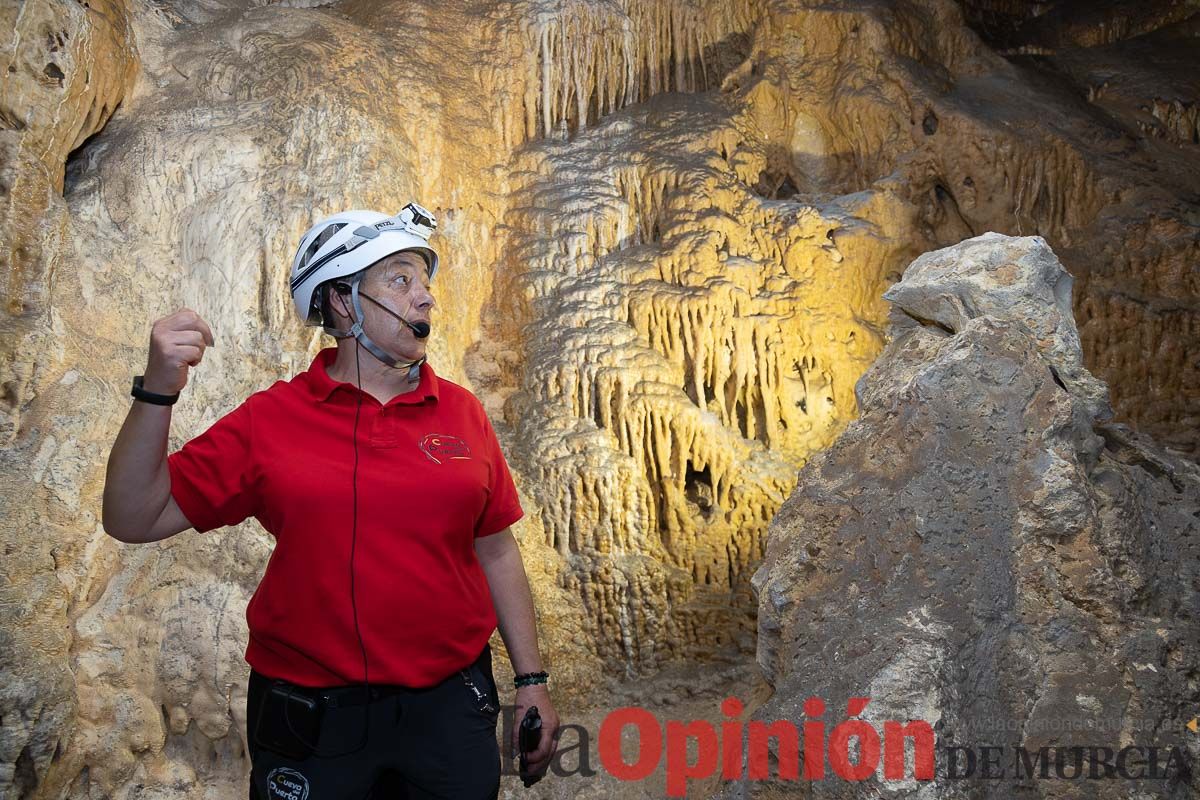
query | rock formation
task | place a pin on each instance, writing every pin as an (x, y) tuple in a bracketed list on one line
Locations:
[(981, 550), (666, 226)]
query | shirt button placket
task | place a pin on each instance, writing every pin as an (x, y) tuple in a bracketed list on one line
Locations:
[(383, 430)]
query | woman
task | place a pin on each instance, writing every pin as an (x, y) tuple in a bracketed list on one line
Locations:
[(390, 503)]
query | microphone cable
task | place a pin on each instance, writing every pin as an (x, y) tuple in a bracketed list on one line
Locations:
[(420, 333), (362, 742)]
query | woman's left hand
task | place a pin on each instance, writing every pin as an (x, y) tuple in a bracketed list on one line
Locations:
[(537, 695)]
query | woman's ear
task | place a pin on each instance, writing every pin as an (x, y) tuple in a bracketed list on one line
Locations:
[(338, 295)]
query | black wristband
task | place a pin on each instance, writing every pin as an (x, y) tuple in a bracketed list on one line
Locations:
[(139, 393), (530, 679)]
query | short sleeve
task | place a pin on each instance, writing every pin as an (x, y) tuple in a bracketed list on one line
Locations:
[(503, 507), (212, 476)]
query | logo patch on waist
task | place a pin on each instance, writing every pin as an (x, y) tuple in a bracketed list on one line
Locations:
[(287, 784), (439, 447)]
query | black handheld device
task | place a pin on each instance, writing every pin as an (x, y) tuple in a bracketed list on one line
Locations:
[(289, 722), (528, 738)]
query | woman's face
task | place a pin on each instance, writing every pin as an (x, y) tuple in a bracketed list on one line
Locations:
[(400, 282)]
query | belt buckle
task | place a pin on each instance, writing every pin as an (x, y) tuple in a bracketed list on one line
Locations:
[(346, 696)]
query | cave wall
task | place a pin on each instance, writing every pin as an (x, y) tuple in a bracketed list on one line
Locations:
[(667, 228)]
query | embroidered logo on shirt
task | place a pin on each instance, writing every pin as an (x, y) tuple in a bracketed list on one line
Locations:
[(439, 447), (287, 784)]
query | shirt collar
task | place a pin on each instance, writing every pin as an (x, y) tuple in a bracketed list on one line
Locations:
[(317, 382)]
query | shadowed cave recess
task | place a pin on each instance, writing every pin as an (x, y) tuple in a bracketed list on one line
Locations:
[(667, 228)]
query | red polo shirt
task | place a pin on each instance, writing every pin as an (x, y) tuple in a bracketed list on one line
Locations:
[(431, 478)]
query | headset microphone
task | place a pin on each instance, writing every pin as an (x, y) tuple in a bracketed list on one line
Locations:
[(419, 329)]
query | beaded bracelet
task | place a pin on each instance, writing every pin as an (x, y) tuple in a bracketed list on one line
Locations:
[(530, 679)]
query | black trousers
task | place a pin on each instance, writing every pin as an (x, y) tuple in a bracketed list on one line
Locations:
[(438, 742)]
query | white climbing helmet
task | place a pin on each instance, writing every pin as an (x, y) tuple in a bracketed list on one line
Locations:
[(347, 243)]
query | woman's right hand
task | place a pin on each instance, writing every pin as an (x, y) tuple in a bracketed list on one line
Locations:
[(176, 343)]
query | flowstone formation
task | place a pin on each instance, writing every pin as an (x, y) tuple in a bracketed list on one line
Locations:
[(682, 359), (666, 229), (983, 551)]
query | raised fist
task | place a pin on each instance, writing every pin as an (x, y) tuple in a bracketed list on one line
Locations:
[(176, 343)]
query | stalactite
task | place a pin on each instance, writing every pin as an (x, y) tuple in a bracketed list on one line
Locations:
[(594, 59)]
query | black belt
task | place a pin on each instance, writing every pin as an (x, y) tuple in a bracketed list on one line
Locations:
[(346, 696), (359, 694)]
